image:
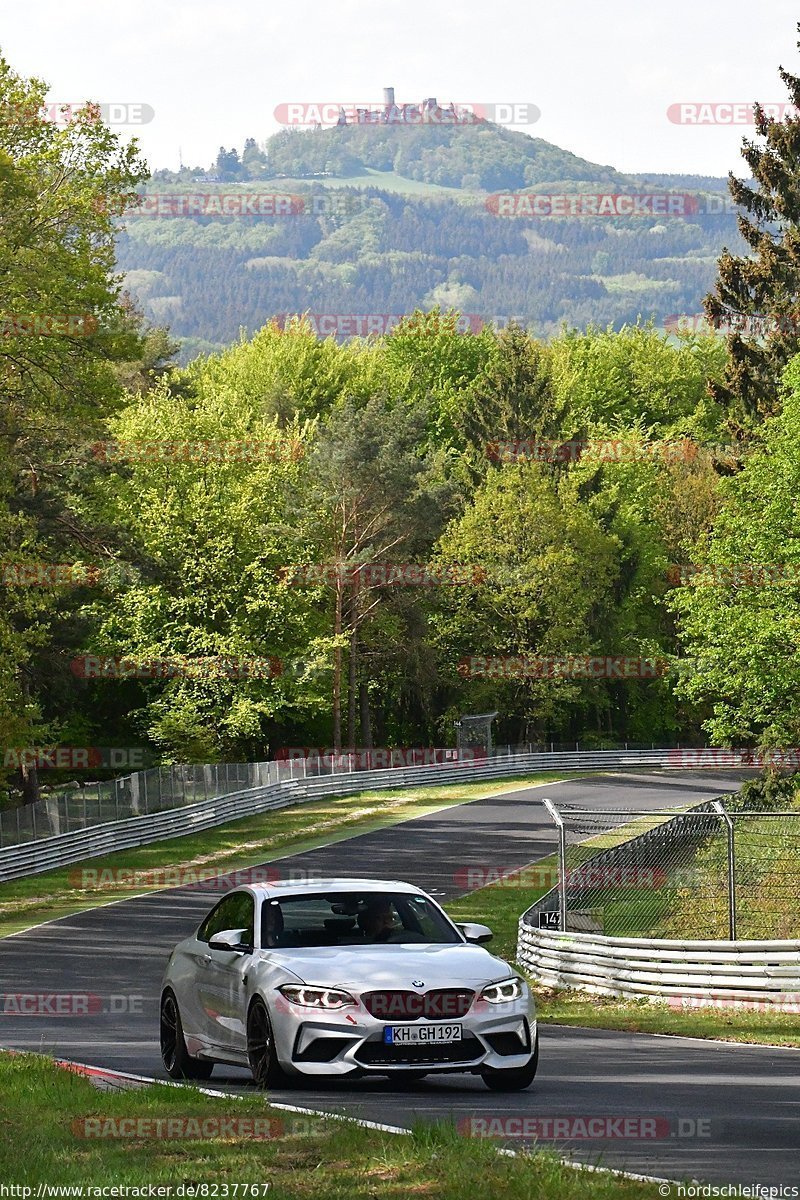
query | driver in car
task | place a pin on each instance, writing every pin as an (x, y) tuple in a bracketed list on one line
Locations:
[(377, 921)]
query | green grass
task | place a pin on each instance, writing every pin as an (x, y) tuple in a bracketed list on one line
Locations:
[(387, 181), (767, 883), (500, 905), (233, 846), (644, 1016), (267, 836), (45, 1108)]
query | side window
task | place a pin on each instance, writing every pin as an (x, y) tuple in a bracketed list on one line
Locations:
[(234, 912), (242, 915)]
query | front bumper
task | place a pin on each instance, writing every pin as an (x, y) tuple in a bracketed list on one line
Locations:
[(311, 1042)]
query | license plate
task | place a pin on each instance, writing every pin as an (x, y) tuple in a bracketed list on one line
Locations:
[(404, 1035)]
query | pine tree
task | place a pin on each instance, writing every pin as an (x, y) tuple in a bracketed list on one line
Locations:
[(514, 397), (764, 285)]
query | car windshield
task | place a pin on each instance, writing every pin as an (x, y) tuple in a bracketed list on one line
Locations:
[(353, 919)]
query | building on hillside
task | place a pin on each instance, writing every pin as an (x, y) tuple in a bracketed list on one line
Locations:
[(429, 112)]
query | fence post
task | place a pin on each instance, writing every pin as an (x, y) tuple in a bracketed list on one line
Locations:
[(717, 804), (562, 863)]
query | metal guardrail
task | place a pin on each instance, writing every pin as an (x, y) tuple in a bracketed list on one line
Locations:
[(61, 849), (680, 973)]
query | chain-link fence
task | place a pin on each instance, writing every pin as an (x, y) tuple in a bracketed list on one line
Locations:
[(714, 871), (501, 749), (177, 786), (133, 795)]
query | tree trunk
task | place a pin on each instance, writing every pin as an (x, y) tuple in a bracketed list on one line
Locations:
[(337, 666), (379, 711), (30, 783), (366, 722), (352, 660), (28, 772), (352, 690)]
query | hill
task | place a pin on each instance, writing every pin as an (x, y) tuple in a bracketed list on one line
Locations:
[(388, 219), (482, 157)]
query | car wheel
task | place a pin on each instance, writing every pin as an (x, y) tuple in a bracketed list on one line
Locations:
[(261, 1054), (177, 1060), (512, 1079)]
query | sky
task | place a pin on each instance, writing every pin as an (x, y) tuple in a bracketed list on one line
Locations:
[(603, 76)]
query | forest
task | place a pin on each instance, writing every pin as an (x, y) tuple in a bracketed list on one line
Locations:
[(389, 220)]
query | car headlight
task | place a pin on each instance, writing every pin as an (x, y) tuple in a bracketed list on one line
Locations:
[(504, 991), (316, 997)]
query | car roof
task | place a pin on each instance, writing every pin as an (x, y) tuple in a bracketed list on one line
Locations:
[(321, 884)]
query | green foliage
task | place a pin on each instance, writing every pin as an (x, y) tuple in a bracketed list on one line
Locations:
[(214, 529), (399, 218), (394, 468), (484, 156), (281, 374), (59, 190), (547, 565), (769, 790), (741, 631), (637, 377)]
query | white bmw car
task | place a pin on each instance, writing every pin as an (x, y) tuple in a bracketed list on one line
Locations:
[(344, 978)]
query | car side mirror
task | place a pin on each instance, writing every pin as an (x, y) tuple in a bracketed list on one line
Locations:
[(231, 939), (478, 934)]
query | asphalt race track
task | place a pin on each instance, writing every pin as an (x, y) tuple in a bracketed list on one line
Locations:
[(721, 1113)]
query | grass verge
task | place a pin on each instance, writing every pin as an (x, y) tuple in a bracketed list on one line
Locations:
[(48, 1111), (643, 1016), (235, 845)]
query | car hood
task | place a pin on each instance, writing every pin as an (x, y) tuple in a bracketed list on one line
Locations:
[(418, 967)]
